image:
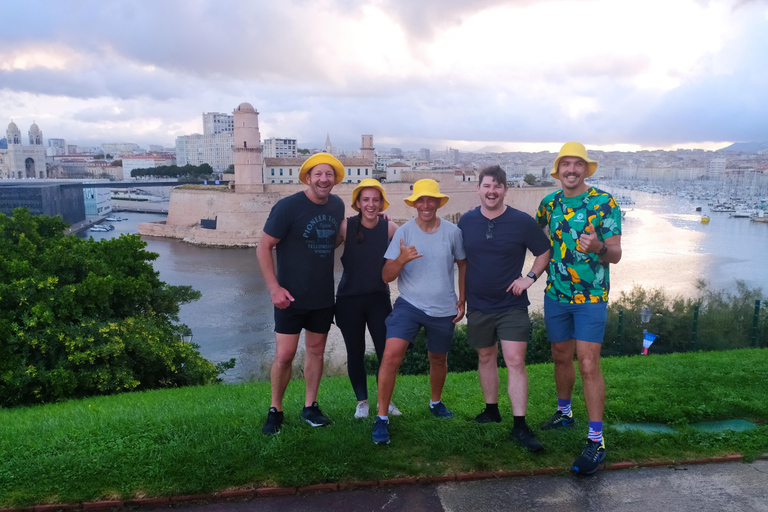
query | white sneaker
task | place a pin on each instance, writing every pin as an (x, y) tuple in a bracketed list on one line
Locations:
[(393, 410), (362, 410)]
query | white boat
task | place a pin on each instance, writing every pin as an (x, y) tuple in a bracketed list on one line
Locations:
[(99, 228), (723, 208), (114, 219), (744, 213)]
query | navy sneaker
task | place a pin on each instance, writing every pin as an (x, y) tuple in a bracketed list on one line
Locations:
[(313, 416), (440, 410), (558, 420), (590, 458), (274, 422), (524, 436), (380, 431)]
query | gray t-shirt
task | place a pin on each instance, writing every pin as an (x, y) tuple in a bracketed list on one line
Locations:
[(427, 282)]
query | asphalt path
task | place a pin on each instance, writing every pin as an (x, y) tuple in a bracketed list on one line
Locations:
[(733, 486)]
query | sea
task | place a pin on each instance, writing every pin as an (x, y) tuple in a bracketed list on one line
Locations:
[(664, 245)]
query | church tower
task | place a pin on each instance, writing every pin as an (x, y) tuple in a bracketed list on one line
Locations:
[(328, 146), (366, 149), (247, 150)]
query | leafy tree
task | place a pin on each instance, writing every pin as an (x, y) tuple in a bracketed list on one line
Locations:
[(109, 157), (230, 169), (98, 157), (80, 317), (302, 151), (191, 172), (117, 163), (530, 179)]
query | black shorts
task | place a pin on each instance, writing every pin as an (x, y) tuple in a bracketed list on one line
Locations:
[(291, 320)]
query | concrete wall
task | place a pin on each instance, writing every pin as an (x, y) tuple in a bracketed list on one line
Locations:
[(241, 217)]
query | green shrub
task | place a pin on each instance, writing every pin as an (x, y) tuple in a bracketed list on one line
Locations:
[(80, 317)]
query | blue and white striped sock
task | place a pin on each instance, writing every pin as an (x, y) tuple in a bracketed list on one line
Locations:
[(596, 431), (564, 406)]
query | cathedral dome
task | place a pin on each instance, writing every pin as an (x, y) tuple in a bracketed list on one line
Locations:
[(12, 128), (245, 107), (34, 128)]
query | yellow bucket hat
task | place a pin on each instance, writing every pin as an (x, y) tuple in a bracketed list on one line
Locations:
[(321, 158), (427, 188), (369, 183), (574, 149)]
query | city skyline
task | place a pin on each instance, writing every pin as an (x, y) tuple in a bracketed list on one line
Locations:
[(522, 75)]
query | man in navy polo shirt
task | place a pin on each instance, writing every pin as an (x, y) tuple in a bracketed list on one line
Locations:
[(496, 239), (302, 229)]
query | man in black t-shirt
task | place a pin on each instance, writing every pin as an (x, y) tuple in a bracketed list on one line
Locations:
[(496, 240), (302, 229)]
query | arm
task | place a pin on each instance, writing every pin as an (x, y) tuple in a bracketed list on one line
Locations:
[(392, 268), (460, 304), (522, 283), (281, 298), (341, 237), (613, 244), (589, 243), (391, 228)]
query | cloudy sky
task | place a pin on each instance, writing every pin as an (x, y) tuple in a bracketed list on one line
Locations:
[(520, 74)]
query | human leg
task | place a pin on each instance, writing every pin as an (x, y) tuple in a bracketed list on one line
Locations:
[(350, 319), (517, 375), (282, 366), (314, 343), (393, 355), (592, 378), (488, 373)]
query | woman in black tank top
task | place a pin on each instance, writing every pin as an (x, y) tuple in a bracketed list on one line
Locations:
[(362, 298)]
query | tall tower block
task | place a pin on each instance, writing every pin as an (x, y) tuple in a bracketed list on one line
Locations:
[(367, 147), (247, 151)]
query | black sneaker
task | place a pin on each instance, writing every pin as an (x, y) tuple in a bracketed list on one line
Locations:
[(488, 417), (313, 416), (525, 437), (558, 420), (590, 458), (274, 422)]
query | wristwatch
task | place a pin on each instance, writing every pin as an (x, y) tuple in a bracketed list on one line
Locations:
[(532, 276), (603, 250)]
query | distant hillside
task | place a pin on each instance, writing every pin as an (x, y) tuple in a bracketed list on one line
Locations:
[(3, 144), (745, 147), (491, 149)]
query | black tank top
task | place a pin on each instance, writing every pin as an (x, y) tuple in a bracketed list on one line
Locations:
[(363, 262)]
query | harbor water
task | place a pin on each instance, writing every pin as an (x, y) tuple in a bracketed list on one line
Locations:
[(664, 244)]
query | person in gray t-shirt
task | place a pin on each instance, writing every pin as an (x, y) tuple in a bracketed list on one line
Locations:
[(421, 257)]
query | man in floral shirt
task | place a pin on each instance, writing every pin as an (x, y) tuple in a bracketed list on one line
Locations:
[(584, 225)]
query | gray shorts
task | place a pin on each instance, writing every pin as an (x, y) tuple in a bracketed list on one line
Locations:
[(485, 329)]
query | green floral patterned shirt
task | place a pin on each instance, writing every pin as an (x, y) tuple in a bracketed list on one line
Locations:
[(575, 276)]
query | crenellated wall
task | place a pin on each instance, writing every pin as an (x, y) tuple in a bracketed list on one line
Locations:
[(241, 217)]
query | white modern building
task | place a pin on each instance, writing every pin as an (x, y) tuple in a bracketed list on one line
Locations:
[(213, 147), (217, 122), (120, 148), (279, 148), (56, 147)]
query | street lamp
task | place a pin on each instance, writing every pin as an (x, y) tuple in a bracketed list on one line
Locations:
[(645, 315), (186, 338)]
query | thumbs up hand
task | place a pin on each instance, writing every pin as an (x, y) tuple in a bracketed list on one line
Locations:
[(588, 241), (408, 253)]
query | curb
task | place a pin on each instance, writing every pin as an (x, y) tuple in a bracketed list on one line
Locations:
[(249, 494)]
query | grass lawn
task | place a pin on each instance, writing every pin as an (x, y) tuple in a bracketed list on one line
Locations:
[(205, 439)]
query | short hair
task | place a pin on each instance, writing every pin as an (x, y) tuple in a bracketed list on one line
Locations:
[(496, 173)]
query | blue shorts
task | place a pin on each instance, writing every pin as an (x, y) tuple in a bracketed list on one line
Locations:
[(405, 320), (585, 322)]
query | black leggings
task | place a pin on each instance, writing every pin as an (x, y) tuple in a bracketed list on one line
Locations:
[(352, 315)]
